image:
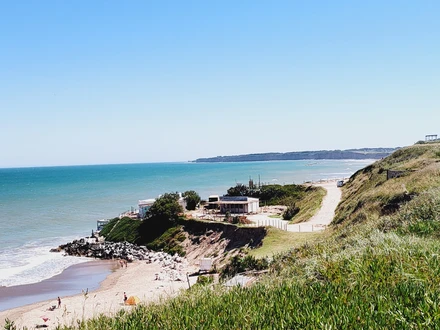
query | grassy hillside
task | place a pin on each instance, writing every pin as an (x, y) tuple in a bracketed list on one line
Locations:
[(309, 204), (378, 267), (368, 194)]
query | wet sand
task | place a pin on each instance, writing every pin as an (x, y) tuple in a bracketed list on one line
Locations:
[(137, 279), (71, 281)]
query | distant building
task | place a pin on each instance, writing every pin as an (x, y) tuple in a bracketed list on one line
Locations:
[(182, 201), (431, 137), (237, 204), (144, 206), (211, 200), (101, 223)]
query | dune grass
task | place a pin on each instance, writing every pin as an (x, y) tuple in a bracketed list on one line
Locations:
[(368, 194), (309, 204)]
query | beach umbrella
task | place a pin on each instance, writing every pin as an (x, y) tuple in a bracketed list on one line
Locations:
[(132, 300)]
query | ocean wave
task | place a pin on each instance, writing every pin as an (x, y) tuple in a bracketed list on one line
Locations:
[(34, 262)]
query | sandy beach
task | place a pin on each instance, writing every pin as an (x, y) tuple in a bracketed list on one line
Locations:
[(74, 279), (138, 279)]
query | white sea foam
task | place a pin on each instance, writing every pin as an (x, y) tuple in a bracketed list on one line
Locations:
[(34, 263)]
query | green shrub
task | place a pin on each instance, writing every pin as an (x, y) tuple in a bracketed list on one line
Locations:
[(290, 212), (165, 208), (9, 325), (273, 194), (169, 241), (125, 229), (421, 216), (192, 199), (205, 279), (108, 227), (239, 264)]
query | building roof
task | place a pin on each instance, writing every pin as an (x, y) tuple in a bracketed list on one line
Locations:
[(146, 201), (238, 200)]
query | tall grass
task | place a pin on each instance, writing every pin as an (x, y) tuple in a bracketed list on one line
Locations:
[(309, 204), (421, 216), (368, 192)]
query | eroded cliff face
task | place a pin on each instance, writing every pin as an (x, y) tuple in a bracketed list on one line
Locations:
[(219, 241)]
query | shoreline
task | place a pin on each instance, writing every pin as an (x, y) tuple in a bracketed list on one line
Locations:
[(146, 281), (69, 282)]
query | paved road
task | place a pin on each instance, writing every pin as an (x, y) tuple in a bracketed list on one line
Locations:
[(318, 222)]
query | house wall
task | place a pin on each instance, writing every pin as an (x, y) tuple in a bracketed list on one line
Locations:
[(182, 202), (254, 207), (239, 205), (143, 210), (234, 208), (250, 207)]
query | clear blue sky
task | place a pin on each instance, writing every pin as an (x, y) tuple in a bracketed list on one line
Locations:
[(92, 82)]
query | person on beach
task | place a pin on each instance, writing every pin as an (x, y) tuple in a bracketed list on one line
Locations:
[(125, 298), (59, 302)]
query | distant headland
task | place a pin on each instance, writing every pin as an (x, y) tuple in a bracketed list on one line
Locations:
[(363, 153)]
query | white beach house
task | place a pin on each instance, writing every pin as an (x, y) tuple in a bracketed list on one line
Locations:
[(144, 205), (237, 204), (182, 201)]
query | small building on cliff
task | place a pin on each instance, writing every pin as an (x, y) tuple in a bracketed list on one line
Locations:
[(144, 205), (237, 204), (431, 138)]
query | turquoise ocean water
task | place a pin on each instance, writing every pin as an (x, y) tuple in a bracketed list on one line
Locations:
[(43, 207)]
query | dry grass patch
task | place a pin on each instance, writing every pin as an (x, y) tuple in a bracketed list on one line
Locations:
[(278, 241)]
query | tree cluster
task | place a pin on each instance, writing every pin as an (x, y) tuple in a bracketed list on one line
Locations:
[(166, 207), (192, 199), (270, 194)]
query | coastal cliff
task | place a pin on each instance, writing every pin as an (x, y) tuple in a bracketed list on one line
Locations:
[(365, 153)]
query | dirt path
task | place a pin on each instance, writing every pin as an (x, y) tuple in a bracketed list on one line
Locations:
[(319, 221), (325, 214)]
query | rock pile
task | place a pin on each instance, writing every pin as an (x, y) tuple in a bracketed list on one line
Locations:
[(172, 266), (105, 250)]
